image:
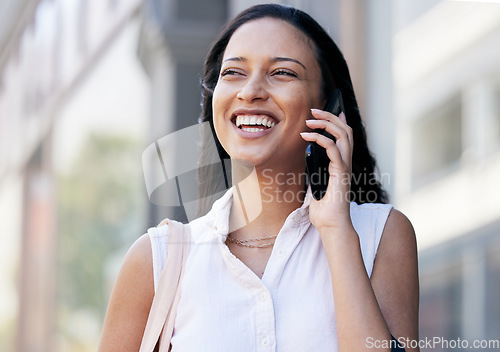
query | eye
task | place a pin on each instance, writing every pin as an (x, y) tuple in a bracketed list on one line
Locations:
[(284, 72), (229, 72)]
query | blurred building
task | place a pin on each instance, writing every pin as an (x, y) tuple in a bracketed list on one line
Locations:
[(49, 49), (447, 101)]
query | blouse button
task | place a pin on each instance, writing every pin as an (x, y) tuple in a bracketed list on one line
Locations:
[(281, 253), (296, 218), (263, 296), (265, 341)]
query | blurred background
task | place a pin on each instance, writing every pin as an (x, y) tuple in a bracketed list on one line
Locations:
[(86, 85)]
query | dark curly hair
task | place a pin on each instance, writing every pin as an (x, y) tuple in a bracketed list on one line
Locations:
[(365, 187)]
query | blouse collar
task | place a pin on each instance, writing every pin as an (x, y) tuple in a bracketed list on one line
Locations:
[(217, 219)]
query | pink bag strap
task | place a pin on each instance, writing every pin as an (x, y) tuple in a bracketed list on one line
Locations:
[(164, 307)]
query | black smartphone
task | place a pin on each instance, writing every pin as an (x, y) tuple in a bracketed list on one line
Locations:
[(317, 160)]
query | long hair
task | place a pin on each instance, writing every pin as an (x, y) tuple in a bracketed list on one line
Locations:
[(365, 187)]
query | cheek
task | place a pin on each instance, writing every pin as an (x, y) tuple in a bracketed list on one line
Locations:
[(300, 105), (219, 106), (304, 97), (220, 99), (215, 99)]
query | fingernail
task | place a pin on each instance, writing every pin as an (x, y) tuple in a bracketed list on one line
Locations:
[(305, 133), (315, 110)]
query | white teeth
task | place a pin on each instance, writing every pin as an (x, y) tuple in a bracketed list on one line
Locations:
[(250, 129), (254, 121)]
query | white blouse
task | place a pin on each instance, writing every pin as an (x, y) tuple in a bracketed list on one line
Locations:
[(224, 306)]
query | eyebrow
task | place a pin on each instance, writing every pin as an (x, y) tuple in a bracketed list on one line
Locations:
[(275, 59)]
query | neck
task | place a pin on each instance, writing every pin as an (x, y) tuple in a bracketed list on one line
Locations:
[(263, 200)]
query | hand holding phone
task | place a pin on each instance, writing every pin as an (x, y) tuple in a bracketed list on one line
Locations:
[(317, 160)]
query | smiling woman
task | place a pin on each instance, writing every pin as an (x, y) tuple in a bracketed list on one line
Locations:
[(271, 284), (270, 80)]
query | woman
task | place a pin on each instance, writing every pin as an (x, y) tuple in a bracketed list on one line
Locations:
[(302, 276)]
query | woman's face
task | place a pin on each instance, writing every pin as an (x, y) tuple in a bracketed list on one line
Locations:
[(269, 81)]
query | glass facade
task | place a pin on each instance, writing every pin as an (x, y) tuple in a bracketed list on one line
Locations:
[(437, 141)]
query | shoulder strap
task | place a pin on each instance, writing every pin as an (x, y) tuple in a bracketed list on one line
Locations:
[(164, 306)]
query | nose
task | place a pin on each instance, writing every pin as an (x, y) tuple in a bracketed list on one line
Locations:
[(254, 88)]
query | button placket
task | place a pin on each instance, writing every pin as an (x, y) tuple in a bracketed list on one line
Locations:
[(265, 321), (265, 341)]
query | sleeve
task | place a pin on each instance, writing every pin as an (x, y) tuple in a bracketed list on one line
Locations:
[(369, 222)]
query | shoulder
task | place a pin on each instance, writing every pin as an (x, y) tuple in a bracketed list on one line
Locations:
[(136, 272), (138, 262), (398, 245), (130, 301), (398, 237), (139, 253), (390, 224)]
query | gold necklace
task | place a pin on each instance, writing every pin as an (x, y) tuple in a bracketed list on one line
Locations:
[(244, 243)]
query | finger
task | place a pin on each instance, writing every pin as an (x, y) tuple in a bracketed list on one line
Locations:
[(344, 138), (339, 132), (342, 117), (340, 120), (322, 114), (332, 150)]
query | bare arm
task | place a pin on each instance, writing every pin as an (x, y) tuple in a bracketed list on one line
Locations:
[(395, 278), (367, 312), (130, 301)]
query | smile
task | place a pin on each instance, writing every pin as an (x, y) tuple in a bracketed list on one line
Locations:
[(254, 123)]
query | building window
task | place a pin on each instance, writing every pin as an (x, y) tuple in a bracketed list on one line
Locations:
[(437, 142), (441, 301), (492, 290)]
